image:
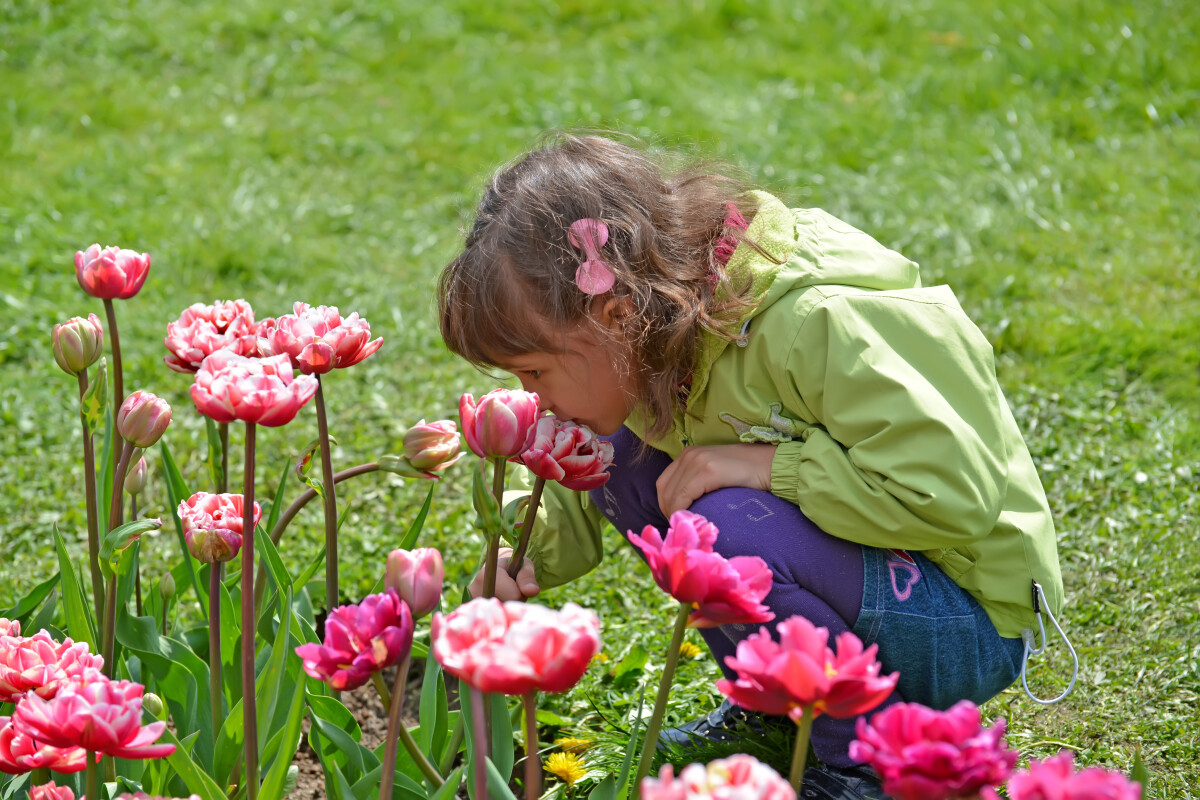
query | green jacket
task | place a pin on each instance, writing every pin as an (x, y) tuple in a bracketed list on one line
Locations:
[(881, 398)]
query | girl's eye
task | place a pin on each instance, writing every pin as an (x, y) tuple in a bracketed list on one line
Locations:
[(534, 373)]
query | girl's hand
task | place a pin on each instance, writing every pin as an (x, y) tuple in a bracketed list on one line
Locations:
[(524, 586), (700, 470)]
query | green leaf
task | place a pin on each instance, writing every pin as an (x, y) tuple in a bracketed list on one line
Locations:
[(498, 783), (337, 785), (279, 755), (194, 778), (24, 607), (277, 501), (450, 787), (121, 537), (269, 556), (485, 502), (270, 683), (304, 463), (410, 538), (309, 571), (94, 402), (403, 787), (214, 453), (434, 711), (501, 745), (104, 476), (1140, 773), (629, 669), (177, 492), (81, 623), (605, 790)]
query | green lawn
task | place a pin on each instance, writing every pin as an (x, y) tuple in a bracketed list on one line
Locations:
[(1043, 158)]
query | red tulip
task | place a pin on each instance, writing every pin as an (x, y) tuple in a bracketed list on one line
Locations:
[(51, 791), (41, 665), (202, 330), (318, 339), (739, 777), (360, 640), (516, 648), (417, 576), (78, 342), (96, 714), (1055, 778), (19, 753), (212, 525), (800, 671), (922, 754), (142, 419), (259, 390), (569, 453), (111, 272), (724, 591), (502, 424)]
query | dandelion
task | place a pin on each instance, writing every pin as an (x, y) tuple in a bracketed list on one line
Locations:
[(567, 767), (572, 744), (689, 650)]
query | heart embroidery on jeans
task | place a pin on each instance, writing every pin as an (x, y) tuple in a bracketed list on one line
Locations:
[(913, 577)]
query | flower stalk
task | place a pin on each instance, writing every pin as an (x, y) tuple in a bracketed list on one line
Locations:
[(249, 715), (396, 733), (330, 495), (533, 761), (89, 488), (482, 734), (800, 751), (492, 556), (660, 701), (108, 636), (535, 499), (215, 678), (118, 379)]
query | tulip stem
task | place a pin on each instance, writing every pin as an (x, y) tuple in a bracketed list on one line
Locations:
[(800, 751), (397, 732), (118, 376), (381, 689), (110, 624), (89, 489), (533, 761), (249, 715), (518, 556), (223, 434), (660, 702), (482, 734), (114, 514), (137, 575), (91, 775), (39, 776), (493, 547), (456, 737), (330, 494), (215, 682)]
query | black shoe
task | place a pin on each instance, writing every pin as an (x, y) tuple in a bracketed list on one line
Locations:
[(834, 783), (727, 723)]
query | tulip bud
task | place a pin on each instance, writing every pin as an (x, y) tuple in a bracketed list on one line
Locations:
[(152, 704), (430, 445), (502, 424), (166, 586), (143, 418), (417, 576), (135, 479), (78, 342)]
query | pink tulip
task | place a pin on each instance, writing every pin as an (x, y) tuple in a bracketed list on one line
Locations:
[(142, 419), (417, 576), (432, 446), (9, 627), (111, 272), (96, 714), (568, 453), (724, 591), (212, 525), (502, 424), (1056, 779), (318, 339), (135, 478), (41, 665), (78, 342), (51, 791), (739, 777), (202, 330), (19, 753), (922, 754), (359, 641), (800, 671), (259, 390), (516, 648)]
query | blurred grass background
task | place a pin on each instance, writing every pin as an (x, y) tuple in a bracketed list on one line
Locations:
[(1040, 156)]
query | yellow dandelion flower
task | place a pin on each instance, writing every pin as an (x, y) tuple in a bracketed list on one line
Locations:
[(572, 744), (567, 767), (689, 650), (600, 658)]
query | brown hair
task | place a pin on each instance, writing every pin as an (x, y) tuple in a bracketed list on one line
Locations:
[(512, 290)]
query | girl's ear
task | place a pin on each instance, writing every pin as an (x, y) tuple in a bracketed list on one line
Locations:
[(613, 312)]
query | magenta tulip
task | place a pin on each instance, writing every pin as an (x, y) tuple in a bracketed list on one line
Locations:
[(19, 753), (922, 754), (230, 387), (417, 576), (360, 640), (78, 342), (40, 665), (142, 419), (318, 339), (723, 591), (96, 714), (739, 777), (569, 453), (202, 330), (111, 272), (516, 648), (212, 525), (432, 446), (51, 791), (502, 424), (1055, 778), (800, 671)]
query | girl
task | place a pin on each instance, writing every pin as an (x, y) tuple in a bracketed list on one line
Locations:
[(786, 376)]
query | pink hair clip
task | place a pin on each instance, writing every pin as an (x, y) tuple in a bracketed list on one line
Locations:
[(594, 276)]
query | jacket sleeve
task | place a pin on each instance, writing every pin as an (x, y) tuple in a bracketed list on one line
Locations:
[(908, 449), (566, 539)]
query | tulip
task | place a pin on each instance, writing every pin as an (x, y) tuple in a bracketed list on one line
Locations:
[(212, 525), (40, 665), (922, 754), (10, 627), (257, 390), (98, 715), (318, 339), (135, 480), (502, 424), (722, 591), (432, 446), (110, 272), (360, 640), (78, 342), (142, 419), (734, 778), (202, 330), (51, 791), (19, 753), (1055, 778), (568, 453), (417, 576), (516, 648)]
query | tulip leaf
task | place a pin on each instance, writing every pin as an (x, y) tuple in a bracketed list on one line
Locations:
[(450, 787), (229, 744), (24, 607), (485, 502), (414, 530), (434, 711), (309, 571), (269, 557), (270, 682), (45, 618), (94, 402), (277, 501), (629, 668), (335, 734), (501, 745), (194, 778), (403, 787), (215, 452), (81, 622), (497, 783), (122, 537), (177, 492), (283, 749), (304, 463), (605, 790), (1140, 773), (337, 785), (104, 476)]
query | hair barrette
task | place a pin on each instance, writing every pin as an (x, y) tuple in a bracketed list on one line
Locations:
[(593, 276)]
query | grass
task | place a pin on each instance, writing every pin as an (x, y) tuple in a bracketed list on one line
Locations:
[(1043, 158)]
